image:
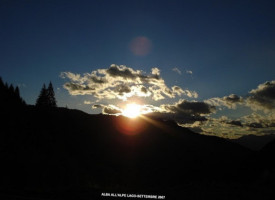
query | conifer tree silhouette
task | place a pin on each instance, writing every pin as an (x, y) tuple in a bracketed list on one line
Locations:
[(16, 91), (2, 86), (51, 96), (10, 97), (11, 90), (17, 96), (46, 97), (42, 98)]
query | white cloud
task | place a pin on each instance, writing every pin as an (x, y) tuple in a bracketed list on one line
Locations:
[(176, 70), (88, 102), (121, 82)]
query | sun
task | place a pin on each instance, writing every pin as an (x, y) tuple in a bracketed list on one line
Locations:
[(132, 110)]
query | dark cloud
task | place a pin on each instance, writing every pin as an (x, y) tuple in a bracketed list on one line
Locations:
[(232, 99), (263, 97), (96, 79), (108, 109), (255, 125), (111, 111), (130, 74), (184, 111), (144, 89), (97, 106), (78, 89), (124, 72), (235, 123), (122, 89), (182, 118), (187, 107)]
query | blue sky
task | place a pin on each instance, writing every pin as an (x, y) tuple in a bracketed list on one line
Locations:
[(229, 46)]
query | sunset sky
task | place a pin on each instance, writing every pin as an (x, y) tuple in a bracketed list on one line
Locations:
[(209, 65)]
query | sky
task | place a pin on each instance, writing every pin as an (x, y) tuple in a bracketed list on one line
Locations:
[(209, 65)]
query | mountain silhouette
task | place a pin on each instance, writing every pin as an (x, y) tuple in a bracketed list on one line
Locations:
[(56, 150), (254, 142)]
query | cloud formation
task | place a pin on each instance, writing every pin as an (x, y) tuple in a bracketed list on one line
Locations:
[(88, 102), (184, 111), (263, 97), (176, 70), (108, 109), (256, 120), (114, 110), (230, 101), (121, 82)]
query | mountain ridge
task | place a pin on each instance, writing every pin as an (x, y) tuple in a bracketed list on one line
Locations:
[(55, 149)]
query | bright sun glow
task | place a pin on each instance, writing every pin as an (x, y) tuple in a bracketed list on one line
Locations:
[(132, 110)]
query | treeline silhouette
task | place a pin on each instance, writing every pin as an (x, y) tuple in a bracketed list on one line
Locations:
[(11, 99), (10, 96)]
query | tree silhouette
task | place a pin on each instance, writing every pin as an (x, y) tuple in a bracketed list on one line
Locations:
[(17, 92), (46, 97), (51, 96), (10, 97), (42, 98), (11, 90)]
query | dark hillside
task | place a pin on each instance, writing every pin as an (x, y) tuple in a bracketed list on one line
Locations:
[(58, 148), (267, 156), (254, 142)]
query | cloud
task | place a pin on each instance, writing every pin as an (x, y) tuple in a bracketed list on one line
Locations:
[(190, 107), (79, 89), (176, 70), (230, 101), (108, 109), (121, 82), (235, 122), (189, 72), (88, 102), (255, 125), (225, 120), (256, 120), (184, 111), (263, 97), (114, 110)]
